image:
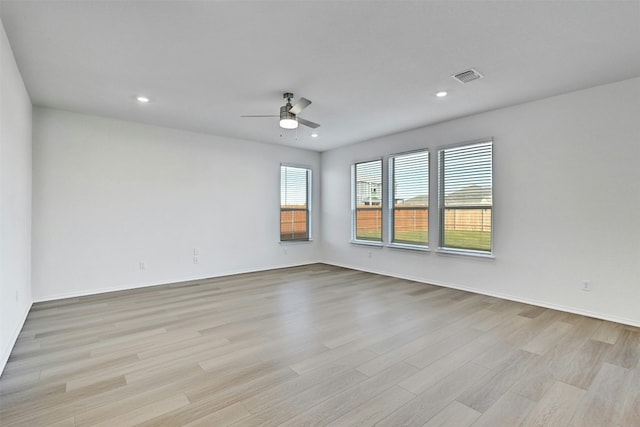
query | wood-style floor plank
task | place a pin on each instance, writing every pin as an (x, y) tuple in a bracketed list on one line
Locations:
[(435, 399), (454, 415), (509, 410), (556, 407), (341, 403), (226, 416), (316, 345), (603, 403)]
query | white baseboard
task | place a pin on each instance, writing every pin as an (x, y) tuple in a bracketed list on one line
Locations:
[(538, 303), (509, 297), (99, 291), (65, 295), (6, 352)]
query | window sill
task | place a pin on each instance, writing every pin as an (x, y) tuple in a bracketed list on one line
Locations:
[(408, 247), (366, 243), (294, 242), (469, 254)]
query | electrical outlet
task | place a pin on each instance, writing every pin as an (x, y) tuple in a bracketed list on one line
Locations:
[(586, 286), (142, 265), (369, 254), (284, 251), (195, 259), (195, 252)]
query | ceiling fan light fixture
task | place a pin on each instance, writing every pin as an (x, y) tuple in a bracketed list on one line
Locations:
[(287, 120), (289, 113), (288, 123)]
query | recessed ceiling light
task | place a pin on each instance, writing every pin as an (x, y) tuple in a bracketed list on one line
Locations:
[(314, 135), (441, 94), (143, 99)]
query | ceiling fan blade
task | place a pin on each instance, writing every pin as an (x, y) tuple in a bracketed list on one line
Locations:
[(261, 116), (307, 123), (299, 106)]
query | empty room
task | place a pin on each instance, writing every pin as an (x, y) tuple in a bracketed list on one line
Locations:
[(328, 213)]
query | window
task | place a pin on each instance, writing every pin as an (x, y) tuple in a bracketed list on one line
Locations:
[(295, 196), (367, 201), (466, 197), (409, 198)]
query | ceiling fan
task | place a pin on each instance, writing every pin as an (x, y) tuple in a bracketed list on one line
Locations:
[(289, 113)]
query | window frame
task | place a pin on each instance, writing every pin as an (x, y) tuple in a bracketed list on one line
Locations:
[(354, 205), (309, 210), (391, 208), (442, 208)]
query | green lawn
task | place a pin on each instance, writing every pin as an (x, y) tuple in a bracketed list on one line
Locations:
[(461, 239), (375, 236), (478, 240), (412, 237)]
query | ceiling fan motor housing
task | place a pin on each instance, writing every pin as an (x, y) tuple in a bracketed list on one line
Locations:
[(285, 114)]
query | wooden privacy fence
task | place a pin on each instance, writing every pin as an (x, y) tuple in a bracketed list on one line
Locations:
[(417, 219), (467, 219), (293, 223), (411, 219), (369, 220)]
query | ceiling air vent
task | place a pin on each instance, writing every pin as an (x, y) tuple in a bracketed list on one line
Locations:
[(467, 76)]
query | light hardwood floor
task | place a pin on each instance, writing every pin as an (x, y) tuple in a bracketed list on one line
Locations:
[(317, 345)]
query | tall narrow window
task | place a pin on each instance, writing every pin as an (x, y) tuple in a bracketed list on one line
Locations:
[(409, 198), (295, 196), (367, 201), (466, 197)]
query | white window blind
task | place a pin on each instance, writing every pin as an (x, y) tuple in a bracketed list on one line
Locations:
[(367, 202), (295, 193), (466, 197), (409, 198)]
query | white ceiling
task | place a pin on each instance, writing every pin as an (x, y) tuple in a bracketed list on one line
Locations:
[(370, 68)]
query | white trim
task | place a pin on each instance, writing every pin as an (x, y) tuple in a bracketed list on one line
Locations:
[(310, 216), (508, 297), (409, 247), (296, 165), (441, 198), (294, 242), (13, 339), (465, 253), (369, 159), (367, 243), (465, 143), (391, 198), (148, 285), (100, 291)]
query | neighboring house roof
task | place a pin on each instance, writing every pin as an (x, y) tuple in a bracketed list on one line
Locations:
[(422, 200), (470, 196)]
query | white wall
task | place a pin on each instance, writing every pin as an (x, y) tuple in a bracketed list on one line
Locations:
[(110, 194), (566, 203), (15, 200)]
